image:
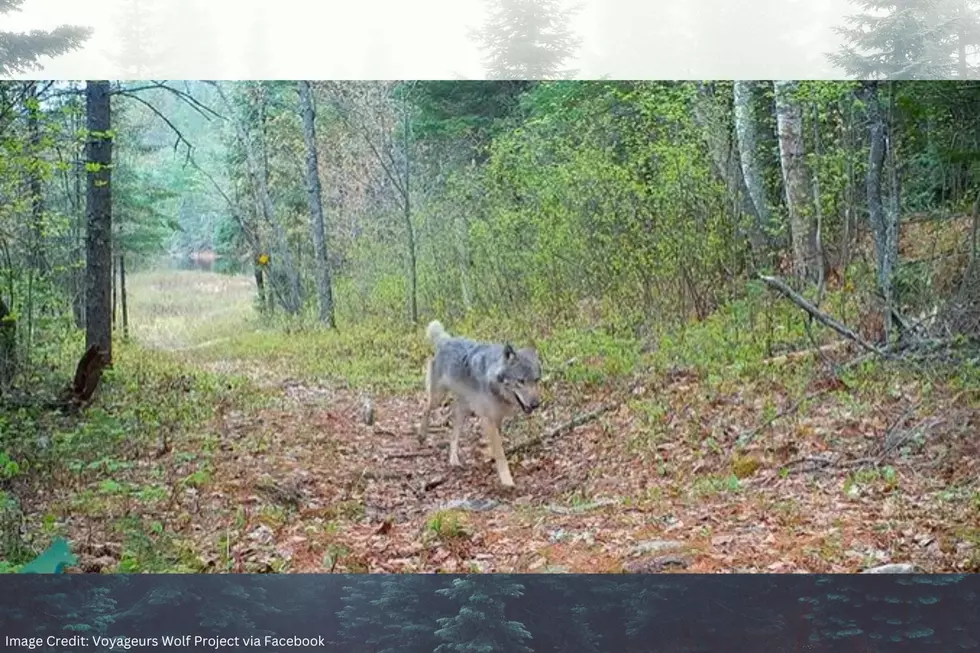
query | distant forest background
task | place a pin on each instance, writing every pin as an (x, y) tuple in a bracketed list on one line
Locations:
[(625, 39)]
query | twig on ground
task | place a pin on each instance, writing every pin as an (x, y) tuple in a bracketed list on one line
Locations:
[(804, 353), (432, 484), (826, 464), (411, 454), (584, 507), (820, 316), (570, 425), (747, 437)]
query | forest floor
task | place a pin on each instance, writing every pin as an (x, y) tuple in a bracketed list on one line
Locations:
[(255, 456)]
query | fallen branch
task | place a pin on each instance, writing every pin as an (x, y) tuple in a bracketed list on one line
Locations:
[(411, 454), (585, 507), (570, 425), (826, 464), (819, 315), (432, 484)]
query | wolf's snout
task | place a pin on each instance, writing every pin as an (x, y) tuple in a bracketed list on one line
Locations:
[(531, 404)]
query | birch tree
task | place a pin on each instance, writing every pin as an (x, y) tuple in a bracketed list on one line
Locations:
[(789, 118), (745, 130)]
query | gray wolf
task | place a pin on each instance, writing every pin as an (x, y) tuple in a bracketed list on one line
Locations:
[(492, 380)]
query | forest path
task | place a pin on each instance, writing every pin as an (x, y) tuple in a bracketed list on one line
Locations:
[(654, 484)]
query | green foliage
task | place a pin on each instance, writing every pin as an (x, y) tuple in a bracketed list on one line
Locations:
[(528, 39), (481, 624), (908, 39), (593, 219), (22, 52)]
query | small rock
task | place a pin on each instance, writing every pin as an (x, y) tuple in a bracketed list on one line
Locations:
[(537, 564), (586, 537), (655, 565), (367, 411), (263, 535), (472, 505), (897, 568), (92, 565), (656, 546), (557, 536)]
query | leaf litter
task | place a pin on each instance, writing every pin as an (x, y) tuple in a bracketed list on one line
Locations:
[(308, 486)]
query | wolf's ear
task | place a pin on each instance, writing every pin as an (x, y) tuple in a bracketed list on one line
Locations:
[(509, 352)]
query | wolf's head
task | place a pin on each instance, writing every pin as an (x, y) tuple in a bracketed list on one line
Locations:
[(520, 376)]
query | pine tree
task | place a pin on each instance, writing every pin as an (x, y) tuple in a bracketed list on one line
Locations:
[(361, 620), (908, 39), (138, 55), (528, 39), (21, 52), (408, 626), (481, 625)]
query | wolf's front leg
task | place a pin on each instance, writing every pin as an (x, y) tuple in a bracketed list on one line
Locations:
[(497, 449), (459, 419)]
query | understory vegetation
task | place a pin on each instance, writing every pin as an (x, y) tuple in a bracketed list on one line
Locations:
[(756, 305)]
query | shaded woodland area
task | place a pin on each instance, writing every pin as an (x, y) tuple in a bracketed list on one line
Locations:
[(421, 613), (756, 304)]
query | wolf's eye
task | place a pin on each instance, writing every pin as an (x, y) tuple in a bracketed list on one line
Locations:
[(500, 378)]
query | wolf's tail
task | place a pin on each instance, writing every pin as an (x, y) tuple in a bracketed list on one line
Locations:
[(436, 333)]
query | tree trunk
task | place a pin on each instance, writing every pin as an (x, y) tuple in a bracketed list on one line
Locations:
[(34, 178), (721, 150), (77, 272), (820, 261), (122, 295), (115, 293), (747, 145), (8, 346), (883, 225), (409, 228), (292, 297), (892, 217), (98, 236), (314, 192), (789, 118)]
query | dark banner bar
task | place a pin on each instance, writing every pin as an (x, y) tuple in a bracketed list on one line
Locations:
[(506, 613)]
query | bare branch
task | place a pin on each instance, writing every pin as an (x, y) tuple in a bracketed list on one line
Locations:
[(187, 98), (819, 315), (180, 136)]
